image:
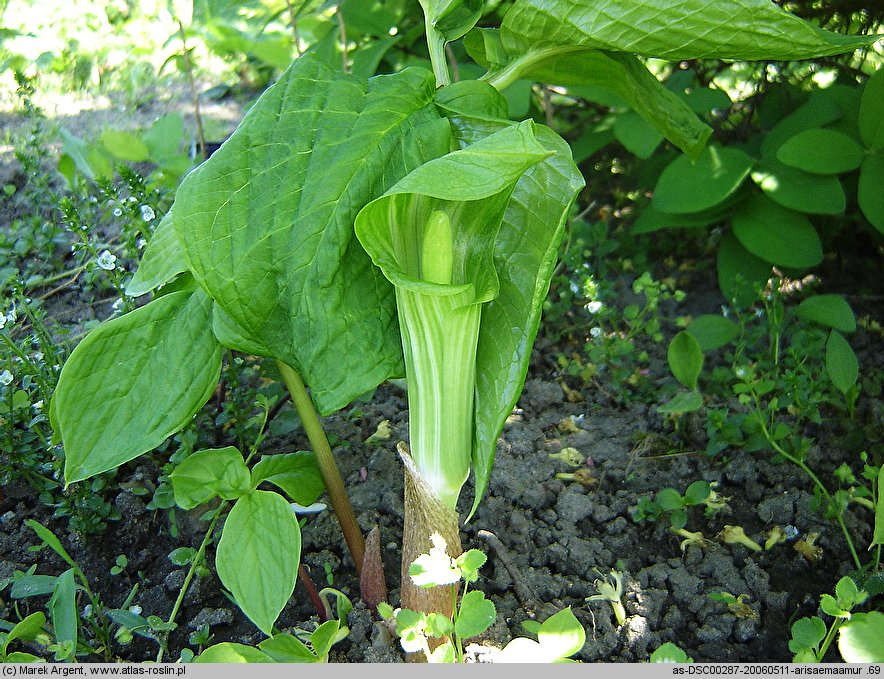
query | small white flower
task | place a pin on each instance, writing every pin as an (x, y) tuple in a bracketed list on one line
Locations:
[(118, 305), (132, 199), (5, 378), (107, 260), (12, 314), (594, 307), (118, 212), (140, 243), (3, 320), (595, 332), (147, 213), (38, 356), (38, 405)]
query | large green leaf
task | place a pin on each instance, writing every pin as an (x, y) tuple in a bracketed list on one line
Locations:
[(134, 381), (621, 74), (685, 359), (258, 555), (164, 138), (163, 259), (205, 474), (713, 331), (476, 614), (25, 630), (819, 110), (228, 653), (635, 133), (672, 29), (525, 255), (233, 336), (287, 648), (686, 186), (266, 222), (561, 635), (650, 220), (125, 146), (776, 234)]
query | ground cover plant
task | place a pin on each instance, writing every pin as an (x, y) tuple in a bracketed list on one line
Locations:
[(357, 228)]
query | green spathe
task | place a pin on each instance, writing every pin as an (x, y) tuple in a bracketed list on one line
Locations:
[(433, 236)]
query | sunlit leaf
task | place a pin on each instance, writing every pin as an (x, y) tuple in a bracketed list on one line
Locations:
[(258, 555), (134, 381), (686, 186)]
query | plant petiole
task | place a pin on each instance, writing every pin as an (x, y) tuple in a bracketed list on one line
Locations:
[(334, 484)]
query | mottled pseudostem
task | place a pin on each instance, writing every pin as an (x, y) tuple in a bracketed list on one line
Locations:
[(334, 484), (425, 514)]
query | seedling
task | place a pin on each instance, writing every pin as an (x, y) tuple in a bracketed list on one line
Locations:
[(692, 539), (670, 653), (570, 456), (584, 477), (440, 638), (610, 589), (471, 616), (808, 548), (27, 629), (301, 647), (384, 432), (775, 536), (860, 633), (669, 503), (735, 604), (735, 535), (119, 565)]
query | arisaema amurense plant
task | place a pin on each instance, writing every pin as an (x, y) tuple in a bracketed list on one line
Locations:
[(461, 209)]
